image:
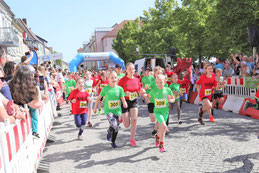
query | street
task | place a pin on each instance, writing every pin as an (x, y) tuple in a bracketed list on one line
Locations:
[(228, 145)]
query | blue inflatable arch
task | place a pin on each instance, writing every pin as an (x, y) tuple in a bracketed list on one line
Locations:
[(101, 56)]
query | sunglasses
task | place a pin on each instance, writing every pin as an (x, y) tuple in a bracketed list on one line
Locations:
[(2, 79)]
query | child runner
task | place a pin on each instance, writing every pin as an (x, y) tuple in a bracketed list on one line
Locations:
[(161, 95), (131, 87), (103, 82), (151, 86), (218, 92), (175, 87), (147, 79), (169, 73), (206, 82), (112, 106), (80, 100), (118, 70), (70, 84), (185, 86), (89, 88)]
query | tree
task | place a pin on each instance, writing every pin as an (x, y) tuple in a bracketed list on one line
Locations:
[(126, 41)]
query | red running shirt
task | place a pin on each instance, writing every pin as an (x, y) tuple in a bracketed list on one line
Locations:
[(80, 106), (102, 85), (185, 85), (131, 85), (207, 85)]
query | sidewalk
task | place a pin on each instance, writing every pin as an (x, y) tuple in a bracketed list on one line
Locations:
[(228, 145)]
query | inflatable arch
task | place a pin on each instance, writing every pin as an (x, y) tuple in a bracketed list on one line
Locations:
[(101, 56)]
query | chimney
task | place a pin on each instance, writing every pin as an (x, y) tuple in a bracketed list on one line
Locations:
[(24, 20)]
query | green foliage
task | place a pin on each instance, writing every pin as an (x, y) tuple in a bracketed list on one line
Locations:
[(196, 28)]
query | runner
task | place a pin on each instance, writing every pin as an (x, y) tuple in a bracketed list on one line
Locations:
[(152, 85), (185, 86), (112, 108), (118, 70), (103, 82), (147, 79), (80, 100), (218, 92), (70, 84), (161, 95), (205, 84), (175, 87), (131, 87), (89, 88), (169, 73)]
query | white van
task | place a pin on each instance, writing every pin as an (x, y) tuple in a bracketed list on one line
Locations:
[(152, 62)]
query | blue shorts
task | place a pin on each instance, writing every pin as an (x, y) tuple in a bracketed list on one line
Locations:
[(184, 96)]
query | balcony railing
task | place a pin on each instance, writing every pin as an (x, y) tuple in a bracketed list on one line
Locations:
[(8, 37)]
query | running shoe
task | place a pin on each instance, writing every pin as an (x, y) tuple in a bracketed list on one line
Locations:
[(180, 122), (167, 133), (35, 135), (157, 141), (154, 133), (201, 121), (89, 124), (114, 146), (109, 135), (132, 143), (258, 135), (99, 112), (162, 148), (79, 138), (212, 119)]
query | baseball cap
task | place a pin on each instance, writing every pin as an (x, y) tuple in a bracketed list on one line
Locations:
[(148, 68), (118, 66)]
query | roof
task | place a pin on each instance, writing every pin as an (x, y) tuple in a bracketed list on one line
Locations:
[(115, 30), (42, 39), (30, 34)]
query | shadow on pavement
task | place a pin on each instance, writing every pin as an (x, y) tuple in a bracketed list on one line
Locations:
[(248, 165)]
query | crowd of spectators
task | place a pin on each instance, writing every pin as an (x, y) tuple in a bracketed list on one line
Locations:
[(238, 65)]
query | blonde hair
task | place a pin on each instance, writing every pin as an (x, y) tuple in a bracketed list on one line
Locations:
[(160, 76), (128, 64)]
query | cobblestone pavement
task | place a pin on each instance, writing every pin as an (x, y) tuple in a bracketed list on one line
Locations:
[(228, 145)]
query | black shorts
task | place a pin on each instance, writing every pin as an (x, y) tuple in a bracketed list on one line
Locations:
[(215, 96), (101, 99), (151, 107), (131, 104)]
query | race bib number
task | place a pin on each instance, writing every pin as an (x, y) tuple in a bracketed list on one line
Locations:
[(221, 88), (114, 104), (89, 90), (103, 85), (133, 96), (207, 92), (169, 79), (160, 103), (176, 96), (83, 104), (182, 90), (70, 88)]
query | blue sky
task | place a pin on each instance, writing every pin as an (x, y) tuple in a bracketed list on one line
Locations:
[(66, 24)]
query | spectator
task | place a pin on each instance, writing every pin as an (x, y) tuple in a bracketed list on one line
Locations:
[(25, 59), (9, 70), (228, 71), (23, 87), (244, 70), (219, 64), (5, 90)]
